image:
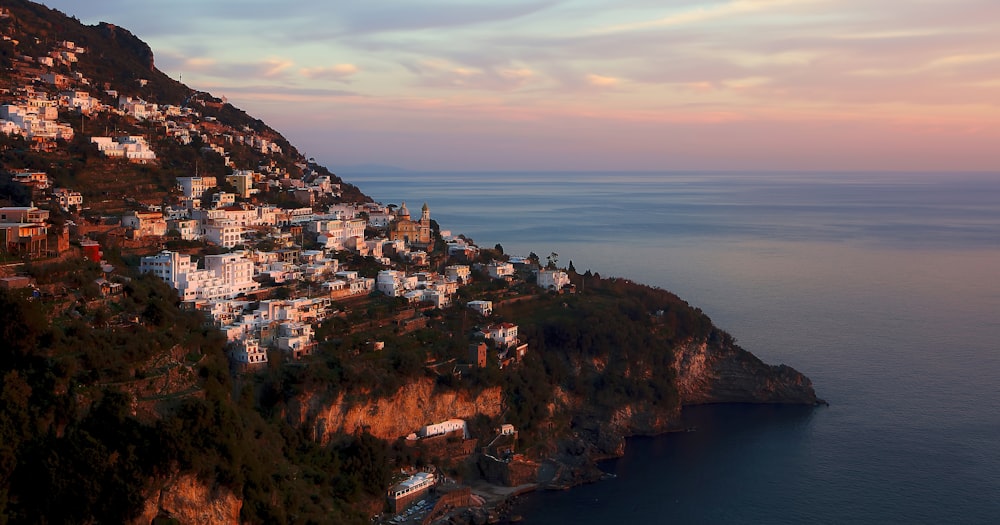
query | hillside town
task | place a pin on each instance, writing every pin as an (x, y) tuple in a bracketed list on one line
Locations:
[(266, 275), (261, 245)]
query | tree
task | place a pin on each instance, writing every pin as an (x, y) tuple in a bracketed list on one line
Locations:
[(498, 248), (571, 267), (551, 260)]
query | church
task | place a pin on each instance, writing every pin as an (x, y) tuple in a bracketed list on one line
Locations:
[(416, 234)]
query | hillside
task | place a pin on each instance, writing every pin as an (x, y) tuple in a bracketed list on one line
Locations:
[(110, 64), (121, 403)]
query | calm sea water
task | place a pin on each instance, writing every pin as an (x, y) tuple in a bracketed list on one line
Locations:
[(884, 288)]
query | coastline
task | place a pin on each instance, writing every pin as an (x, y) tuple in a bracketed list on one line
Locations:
[(499, 501)]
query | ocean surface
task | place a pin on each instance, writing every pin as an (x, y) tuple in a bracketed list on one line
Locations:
[(884, 288)]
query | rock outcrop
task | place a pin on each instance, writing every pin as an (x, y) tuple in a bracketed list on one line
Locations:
[(725, 373), (188, 500)]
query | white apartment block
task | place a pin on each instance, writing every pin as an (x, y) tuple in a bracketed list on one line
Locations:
[(235, 269), (353, 283), (79, 100), (335, 233), (227, 234), (225, 276)]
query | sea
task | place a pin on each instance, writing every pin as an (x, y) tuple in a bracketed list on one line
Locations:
[(883, 288)]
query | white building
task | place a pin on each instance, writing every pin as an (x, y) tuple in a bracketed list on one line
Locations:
[(247, 351), (552, 279), (504, 334), (132, 147), (226, 279), (145, 223), (296, 338), (500, 270), (395, 283), (67, 198), (335, 233), (484, 308), (189, 229), (235, 269), (458, 273), (80, 100), (445, 427), (223, 199), (195, 187), (224, 233)]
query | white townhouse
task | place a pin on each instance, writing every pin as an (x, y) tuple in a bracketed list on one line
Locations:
[(354, 283), (439, 298)]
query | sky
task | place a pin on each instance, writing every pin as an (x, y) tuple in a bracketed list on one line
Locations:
[(595, 84)]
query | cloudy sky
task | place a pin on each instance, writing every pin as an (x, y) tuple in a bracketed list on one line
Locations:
[(596, 84)]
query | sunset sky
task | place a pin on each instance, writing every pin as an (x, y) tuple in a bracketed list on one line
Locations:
[(596, 84)]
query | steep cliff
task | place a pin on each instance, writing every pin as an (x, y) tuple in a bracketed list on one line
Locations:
[(414, 405)]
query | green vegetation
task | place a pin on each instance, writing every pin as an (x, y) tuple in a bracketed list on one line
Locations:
[(71, 442)]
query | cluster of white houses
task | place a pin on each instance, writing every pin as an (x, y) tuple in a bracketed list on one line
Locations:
[(34, 114), (221, 284)]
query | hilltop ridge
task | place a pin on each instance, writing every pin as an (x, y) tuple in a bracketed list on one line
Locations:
[(103, 81)]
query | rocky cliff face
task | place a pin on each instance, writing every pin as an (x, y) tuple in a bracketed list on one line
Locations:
[(414, 405), (188, 500), (725, 373)]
